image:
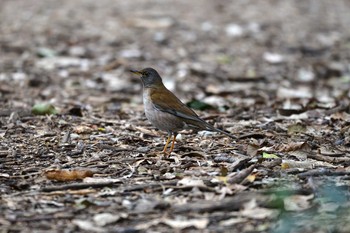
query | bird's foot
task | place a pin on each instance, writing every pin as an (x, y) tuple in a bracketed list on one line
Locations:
[(166, 153)]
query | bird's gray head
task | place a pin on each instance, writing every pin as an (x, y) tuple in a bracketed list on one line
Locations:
[(149, 77)]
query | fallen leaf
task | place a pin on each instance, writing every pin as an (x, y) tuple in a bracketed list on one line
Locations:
[(223, 170), (68, 175), (46, 52), (4, 175), (222, 179), (87, 225), (330, 151), (104, 219), (146, 131), (273, 58), (343, 116), (292, 146), (151, 23), (169, 176), (44, 109), (83, 129), (224, 191), (100, 180), (232, 221), (182, 224), (269, 156), (251, 178), (300, 92), (307, 164), (296, 128), (199, 105), (259, 213), (191, 182), (252, 150), (146, 225), (298, 202)]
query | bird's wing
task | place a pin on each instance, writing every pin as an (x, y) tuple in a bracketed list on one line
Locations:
[(166, 101)]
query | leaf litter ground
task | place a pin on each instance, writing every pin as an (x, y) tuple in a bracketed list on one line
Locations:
[(275, 74)]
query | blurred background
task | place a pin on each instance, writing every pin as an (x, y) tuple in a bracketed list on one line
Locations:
[(247, 52)]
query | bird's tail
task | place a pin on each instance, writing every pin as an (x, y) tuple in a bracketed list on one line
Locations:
[(212, 128), (226, 133), (200, 124)]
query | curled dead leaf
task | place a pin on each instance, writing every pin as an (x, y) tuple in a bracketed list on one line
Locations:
[(68, 175)]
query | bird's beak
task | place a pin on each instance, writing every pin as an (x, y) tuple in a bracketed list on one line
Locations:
[(136, 72)]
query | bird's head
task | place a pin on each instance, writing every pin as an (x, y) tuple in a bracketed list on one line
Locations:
[(149, 77)]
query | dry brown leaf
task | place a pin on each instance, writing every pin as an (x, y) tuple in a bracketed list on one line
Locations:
[(296, 128), (251, 178), (68, 175), (343, 116), (146, 131), (151, 23), (330, 151), (252, 149), (292, 146), (308, 164), (82, 129)]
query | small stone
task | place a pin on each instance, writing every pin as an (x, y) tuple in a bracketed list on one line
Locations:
[(234, 30)]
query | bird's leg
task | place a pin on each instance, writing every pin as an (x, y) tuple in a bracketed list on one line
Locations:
[(167, 142), (173, 143)]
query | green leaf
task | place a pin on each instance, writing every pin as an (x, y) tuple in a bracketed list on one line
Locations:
[(296, 128), (269, 156), (224, 59), (44, 109), (199, 105), (46, 52)]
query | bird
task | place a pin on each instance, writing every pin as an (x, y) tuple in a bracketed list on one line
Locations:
[(166, 112)]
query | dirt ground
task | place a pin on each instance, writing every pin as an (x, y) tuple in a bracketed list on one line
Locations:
[(274, 73)]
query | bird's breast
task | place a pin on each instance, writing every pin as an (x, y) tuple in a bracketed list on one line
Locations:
[(161, 120)]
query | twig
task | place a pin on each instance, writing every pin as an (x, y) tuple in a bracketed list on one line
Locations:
[(323, 172), (238, 178), (42, 218), (252, 135), (77, 186), (229, 204), (144, 186), (328, 159)]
